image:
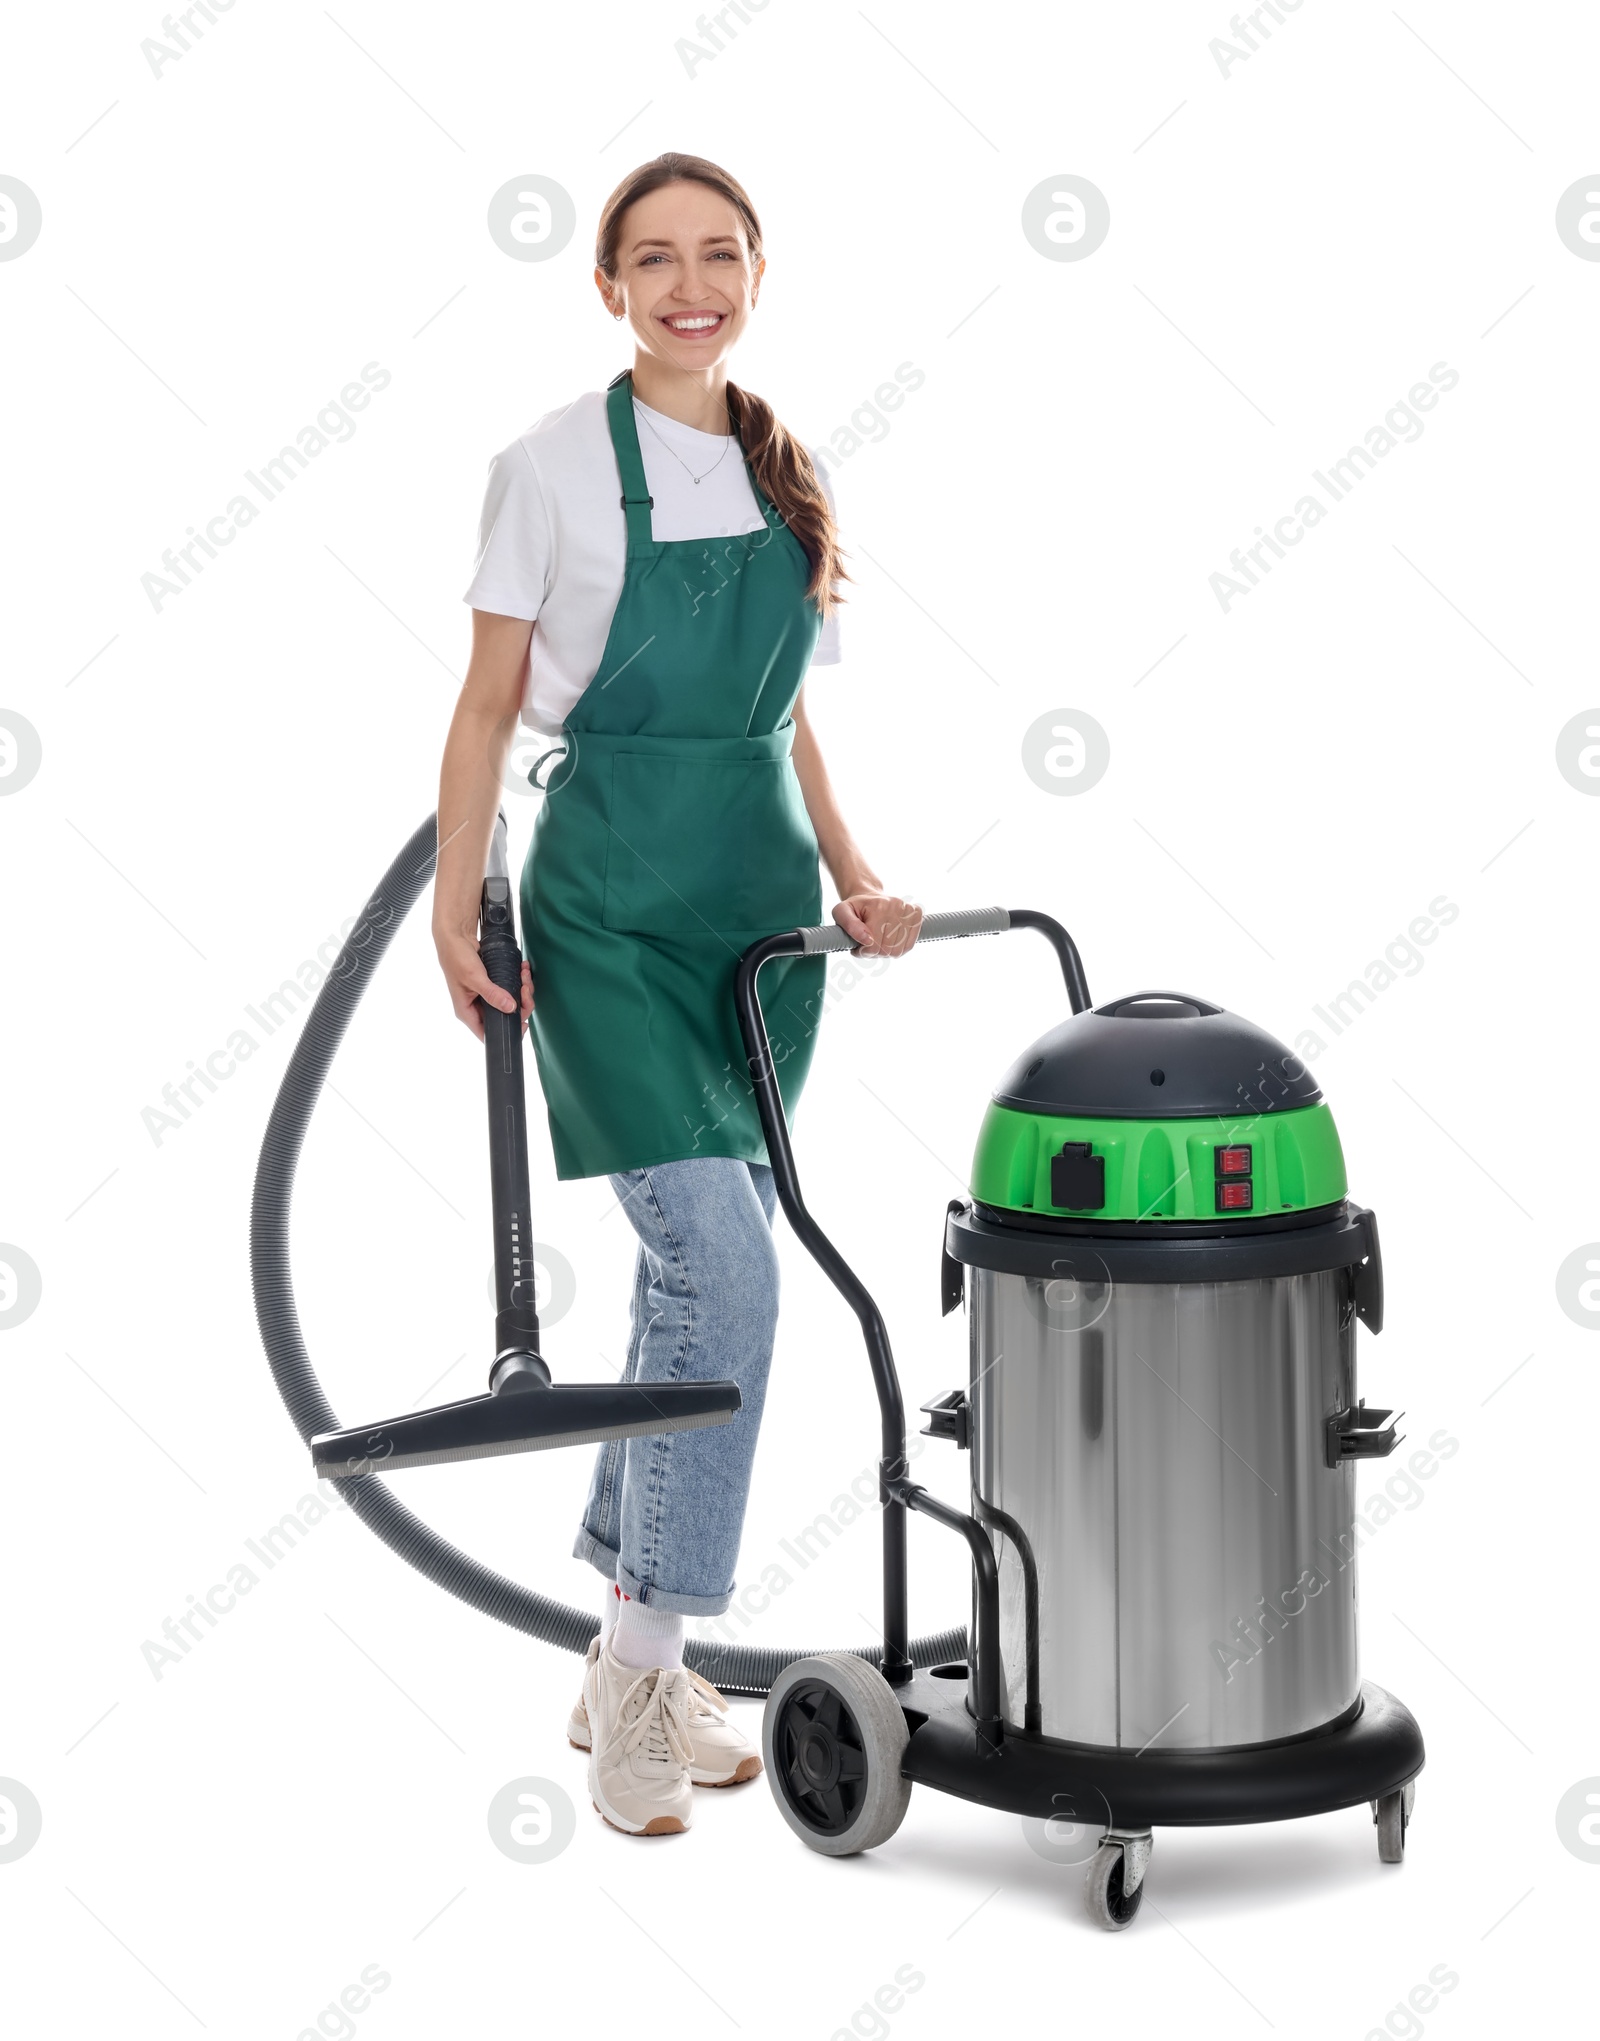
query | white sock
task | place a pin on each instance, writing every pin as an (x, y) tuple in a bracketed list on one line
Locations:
[(608, 1611), (646, 1637)]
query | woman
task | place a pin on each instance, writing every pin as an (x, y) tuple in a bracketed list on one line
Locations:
[(658, 561)]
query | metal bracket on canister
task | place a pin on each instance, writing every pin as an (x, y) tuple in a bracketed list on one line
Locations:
[(952, 1276), (1366, 1275), (949, 1417), (1358, 1433)]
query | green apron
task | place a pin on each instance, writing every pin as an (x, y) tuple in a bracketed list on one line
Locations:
[(672, 835)]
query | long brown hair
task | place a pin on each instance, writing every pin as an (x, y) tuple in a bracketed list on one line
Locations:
[(781, 464)]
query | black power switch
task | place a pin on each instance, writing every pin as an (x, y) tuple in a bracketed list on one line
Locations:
[(1078, 1178)]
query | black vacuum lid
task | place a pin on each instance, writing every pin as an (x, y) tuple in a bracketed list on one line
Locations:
[(1157, 1056)]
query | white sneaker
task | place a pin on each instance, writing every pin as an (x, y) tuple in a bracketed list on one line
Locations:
[(723, 1754), (640, 1749), (578, 1720)]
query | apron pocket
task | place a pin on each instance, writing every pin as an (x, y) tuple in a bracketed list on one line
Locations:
[(708, 845)]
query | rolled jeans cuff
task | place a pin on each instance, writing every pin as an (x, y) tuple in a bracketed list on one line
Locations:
[(605, 1559)]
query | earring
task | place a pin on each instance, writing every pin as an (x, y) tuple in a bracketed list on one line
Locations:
[(616, 315)]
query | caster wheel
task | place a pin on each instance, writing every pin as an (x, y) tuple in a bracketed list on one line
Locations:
[(1392, 1815), (833, 1738), (1109, 1906)]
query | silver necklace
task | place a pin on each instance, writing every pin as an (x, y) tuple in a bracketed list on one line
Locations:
[(682, 463)]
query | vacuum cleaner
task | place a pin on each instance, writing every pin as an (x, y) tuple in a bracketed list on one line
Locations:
[(1163, 1275)]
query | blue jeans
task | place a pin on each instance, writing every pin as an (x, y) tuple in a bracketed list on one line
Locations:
[(664, 1513)]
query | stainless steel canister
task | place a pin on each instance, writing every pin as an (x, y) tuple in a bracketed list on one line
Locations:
[(1161, 1448)]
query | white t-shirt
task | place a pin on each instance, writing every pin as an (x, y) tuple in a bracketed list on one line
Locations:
[(553, 537)]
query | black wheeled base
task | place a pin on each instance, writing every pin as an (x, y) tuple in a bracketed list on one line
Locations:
[(1375, 1752)]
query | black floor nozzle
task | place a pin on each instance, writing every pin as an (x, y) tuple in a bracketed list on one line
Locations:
[(530, 1421)]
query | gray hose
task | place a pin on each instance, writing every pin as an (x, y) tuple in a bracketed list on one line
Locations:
[(735, 1668)]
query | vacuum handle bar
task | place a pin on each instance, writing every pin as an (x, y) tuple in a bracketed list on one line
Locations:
[(935, 928), (780, 1154), (948, 926)]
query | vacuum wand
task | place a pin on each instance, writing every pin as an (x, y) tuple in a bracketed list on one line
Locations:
[(524, 1411), (517, 1362)]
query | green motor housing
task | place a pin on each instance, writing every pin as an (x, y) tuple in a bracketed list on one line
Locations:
[(1158, 1106)]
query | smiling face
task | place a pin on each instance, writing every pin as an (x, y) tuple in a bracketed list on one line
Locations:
[(684, 276)]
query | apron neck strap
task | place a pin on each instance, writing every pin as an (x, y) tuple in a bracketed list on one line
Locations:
[(636, 497)]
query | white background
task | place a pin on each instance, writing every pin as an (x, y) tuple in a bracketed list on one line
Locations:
[(1291, 782)]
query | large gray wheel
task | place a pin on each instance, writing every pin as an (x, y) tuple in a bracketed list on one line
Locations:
[(833, 1738)]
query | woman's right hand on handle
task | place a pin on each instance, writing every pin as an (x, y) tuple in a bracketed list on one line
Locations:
[(470, 793)]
